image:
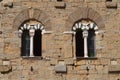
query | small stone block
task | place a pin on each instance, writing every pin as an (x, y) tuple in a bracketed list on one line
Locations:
[(113, 62), (6, 62), (60, 5), (60, 68), (111, 4), (4, 68), (114, 68)]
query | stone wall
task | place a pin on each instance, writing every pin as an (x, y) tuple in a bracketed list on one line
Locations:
[(59, 17)]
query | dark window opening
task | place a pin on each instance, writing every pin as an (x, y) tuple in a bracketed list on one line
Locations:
[(25, 43), (37, 43), (25, 46), (91, 43), (109, 0), (79, 43)]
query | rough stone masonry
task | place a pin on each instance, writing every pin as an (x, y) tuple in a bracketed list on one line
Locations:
[(58, 60)]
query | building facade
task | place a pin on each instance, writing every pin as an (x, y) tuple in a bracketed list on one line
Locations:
[(59, 40)]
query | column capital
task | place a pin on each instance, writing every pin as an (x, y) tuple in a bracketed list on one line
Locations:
[(32, 32), (85, 33)]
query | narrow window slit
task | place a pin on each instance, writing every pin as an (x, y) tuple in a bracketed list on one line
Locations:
[(79, 43), (37, 43)]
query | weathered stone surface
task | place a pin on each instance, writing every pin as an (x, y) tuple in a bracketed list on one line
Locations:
[(60, 68), (5, 68), (114, 68), (57, 45), (60, 5), (85, 13), (111, 4)]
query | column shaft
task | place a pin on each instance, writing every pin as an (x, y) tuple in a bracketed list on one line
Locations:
[(85, 47), (31, 46)]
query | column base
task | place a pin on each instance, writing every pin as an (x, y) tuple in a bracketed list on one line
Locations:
[(31, 56), (86, 56)]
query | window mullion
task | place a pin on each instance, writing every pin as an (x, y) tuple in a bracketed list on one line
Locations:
[(31, 32), (85, 35)]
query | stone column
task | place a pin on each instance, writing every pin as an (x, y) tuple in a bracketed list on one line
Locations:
[(31, 32), (74, 45), (85, 35)]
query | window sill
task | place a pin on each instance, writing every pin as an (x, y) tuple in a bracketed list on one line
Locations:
[(86, 58), (34, 57)]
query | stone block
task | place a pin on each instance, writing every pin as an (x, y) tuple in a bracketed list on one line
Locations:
[(53, 62), (69, 61), (18, 3), (105, 61), (69, 68), (11, 50), (6, 62), (60, 5), (60, 68), (4, 68), (111, 4), (8, 4), (114, 68), (81, 62), (36, 13), (113, 62)]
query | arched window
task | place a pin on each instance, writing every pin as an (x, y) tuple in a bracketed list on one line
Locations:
[(85, 39), (31, 39)]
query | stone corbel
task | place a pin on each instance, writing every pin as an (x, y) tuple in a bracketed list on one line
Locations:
[(61, 67)]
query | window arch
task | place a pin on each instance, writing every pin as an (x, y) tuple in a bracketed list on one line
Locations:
[(85, 32), (31, 38)]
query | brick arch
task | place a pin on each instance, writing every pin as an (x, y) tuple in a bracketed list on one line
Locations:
[(84, 13), (32, 14)]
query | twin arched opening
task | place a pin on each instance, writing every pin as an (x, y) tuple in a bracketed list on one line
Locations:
[(84, 23), (83, 13), (32, 24)]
